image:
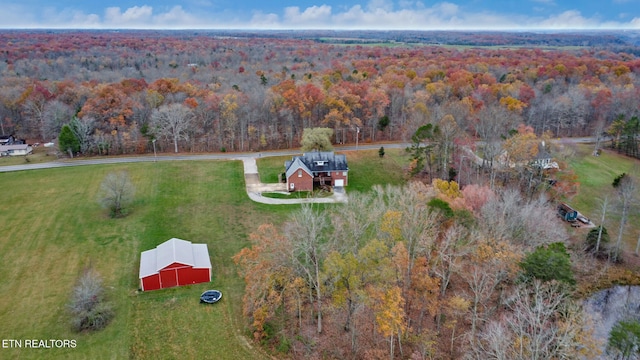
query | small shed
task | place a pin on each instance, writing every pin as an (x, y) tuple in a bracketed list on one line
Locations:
[(567, 213), (175, 262)]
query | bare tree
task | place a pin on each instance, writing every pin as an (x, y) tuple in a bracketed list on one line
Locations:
[(450, 251), (306, 230), (172, 121), (56, 114), (626, 188), (88, 307), (83, 130), (605, 204), (494, 122), (351, 224), (542, 323), (116, 193), (509, 217)]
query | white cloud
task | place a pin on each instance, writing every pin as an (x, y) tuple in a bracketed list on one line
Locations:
[(385, 5), (265, 21), (376, 14), (311, 15), (568, 20), (131, 16)]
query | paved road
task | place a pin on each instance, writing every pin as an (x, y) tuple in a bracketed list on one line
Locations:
[(151, 158)]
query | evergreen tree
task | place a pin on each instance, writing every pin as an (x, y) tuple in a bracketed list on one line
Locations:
[(548, 263), (67, 141)]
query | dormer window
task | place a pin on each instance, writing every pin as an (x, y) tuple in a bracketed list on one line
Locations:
[(320, 162)]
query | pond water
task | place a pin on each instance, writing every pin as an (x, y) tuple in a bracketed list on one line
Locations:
[(611, 305)]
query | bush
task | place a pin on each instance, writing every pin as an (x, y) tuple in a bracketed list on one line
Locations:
[(592, 241), (441, 205), (88, 307), (548, 263)]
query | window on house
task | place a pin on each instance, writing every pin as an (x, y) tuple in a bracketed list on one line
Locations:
[(299, 173), (344, 173), (329, 173)]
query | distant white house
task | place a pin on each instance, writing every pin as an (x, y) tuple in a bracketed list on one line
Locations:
[(15, 150), (543, 159)]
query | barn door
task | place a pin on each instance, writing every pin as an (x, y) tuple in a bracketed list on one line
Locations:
[(168, 278)]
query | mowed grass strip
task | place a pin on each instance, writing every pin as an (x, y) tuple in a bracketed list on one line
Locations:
[(55, 229)]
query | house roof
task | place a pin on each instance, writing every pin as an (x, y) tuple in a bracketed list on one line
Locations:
[(174, 251), (295, 164), (318, 161), (542, 152), (14, 147)]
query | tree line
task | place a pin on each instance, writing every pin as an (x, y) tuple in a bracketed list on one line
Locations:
[(197, 92)]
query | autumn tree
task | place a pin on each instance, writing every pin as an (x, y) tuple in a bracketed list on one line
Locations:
[(306, 231), (173, 122), (352, 276), (490, 265), (228, 123), (267, 270)]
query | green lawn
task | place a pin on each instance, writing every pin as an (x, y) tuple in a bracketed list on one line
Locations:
[(53, 228), (366, 168), (595, 174)]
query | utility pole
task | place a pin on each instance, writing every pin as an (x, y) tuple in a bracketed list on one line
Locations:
[(357, 136), (155, 158)]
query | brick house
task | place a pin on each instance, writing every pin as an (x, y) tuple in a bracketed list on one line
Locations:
[(304, 173)]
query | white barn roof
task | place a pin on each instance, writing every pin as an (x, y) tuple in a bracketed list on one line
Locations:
[(174, 251)]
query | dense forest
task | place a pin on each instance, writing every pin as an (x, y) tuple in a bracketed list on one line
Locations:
[(233, 91), (419, 272)]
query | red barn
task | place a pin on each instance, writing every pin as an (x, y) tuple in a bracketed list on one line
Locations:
[(175, 262)]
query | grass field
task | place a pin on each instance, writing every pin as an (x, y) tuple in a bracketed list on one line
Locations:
[(53, 229), (595, 174)]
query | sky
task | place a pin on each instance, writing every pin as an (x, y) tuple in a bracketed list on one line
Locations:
[(322, 14)]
